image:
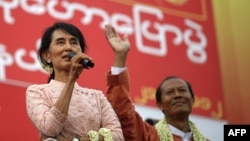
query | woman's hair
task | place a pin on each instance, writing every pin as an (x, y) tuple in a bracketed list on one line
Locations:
[(47, 37), (159, 89)]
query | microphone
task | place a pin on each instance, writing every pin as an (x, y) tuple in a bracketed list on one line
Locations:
[(85, 62)]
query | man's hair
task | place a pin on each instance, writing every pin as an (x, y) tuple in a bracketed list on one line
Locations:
[(159, 90)]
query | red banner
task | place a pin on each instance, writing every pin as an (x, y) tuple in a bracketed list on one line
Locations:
[(167, 38)]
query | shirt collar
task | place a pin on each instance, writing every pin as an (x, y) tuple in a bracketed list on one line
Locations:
[(185, 136)]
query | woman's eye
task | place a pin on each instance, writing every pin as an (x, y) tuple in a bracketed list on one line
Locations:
[(60, 42), (74, 43)]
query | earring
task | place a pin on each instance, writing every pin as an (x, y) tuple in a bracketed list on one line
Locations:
[(48, 69), (47, 66)]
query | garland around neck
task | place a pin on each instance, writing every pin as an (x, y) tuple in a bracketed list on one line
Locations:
[(165, 134)]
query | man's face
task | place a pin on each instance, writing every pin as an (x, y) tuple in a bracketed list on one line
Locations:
[(176, 97)]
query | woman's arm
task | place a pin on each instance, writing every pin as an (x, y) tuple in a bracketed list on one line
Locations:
[(46, 117)]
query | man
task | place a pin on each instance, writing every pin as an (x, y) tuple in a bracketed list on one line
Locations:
[(174, 97)]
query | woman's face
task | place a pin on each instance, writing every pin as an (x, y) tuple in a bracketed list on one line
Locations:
[(62, 43), (176, 97)]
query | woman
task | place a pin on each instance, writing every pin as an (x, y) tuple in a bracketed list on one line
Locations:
[(62, 109)]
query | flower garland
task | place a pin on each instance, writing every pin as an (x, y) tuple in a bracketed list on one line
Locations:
[(94, 135), (165, 134)]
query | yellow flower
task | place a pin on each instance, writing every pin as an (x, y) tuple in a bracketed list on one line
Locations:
[(94, 136), (106, 134), (165, 134)]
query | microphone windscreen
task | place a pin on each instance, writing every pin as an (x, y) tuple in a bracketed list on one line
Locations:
[(85, 62)]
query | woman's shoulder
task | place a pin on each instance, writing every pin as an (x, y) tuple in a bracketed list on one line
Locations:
[(37, 86), (51, 85), (89, 90)]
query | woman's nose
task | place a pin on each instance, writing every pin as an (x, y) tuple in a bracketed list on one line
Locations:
[(68, 46)]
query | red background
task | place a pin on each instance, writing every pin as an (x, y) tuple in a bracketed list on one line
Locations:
[(146, 70)]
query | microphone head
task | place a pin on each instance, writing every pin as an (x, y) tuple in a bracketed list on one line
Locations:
[(88, 63), (71, 54), (85, 62)]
